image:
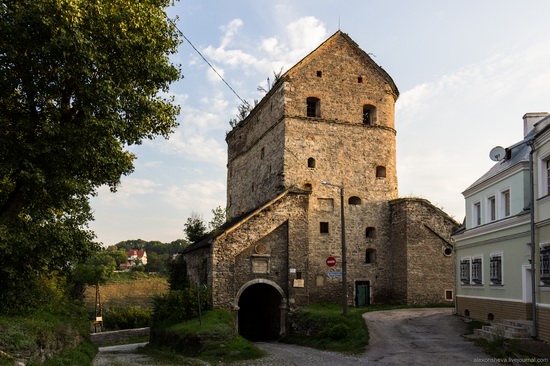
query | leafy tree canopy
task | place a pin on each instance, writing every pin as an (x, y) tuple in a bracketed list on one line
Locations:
[(218, 219), (195, 228), (81, 81)]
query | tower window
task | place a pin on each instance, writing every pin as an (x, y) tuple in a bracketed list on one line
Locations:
[(313, 107), (323, 228), (319, 74), (311, 163), (370, 233), (262, 153), (360, 80), (368, 114), (380, 171), (370, 255), (354, 200)]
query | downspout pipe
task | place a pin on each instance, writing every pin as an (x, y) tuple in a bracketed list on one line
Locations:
[(533, 251)]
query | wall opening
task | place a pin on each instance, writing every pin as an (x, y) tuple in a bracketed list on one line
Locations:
[(380, 171), (370, 233), (313, 107), (368, 115), (362, 293), (260, 313), (311, 163), (370, 255), (354, 200)]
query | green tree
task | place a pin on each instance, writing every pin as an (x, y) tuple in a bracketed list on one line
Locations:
[(81, 81), (119, 256), (195, 228), (219, 218)]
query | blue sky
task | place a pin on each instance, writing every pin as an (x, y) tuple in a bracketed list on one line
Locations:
[(467, 71)]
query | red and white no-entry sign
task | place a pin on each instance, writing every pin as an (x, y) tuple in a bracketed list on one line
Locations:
[(331, 261)]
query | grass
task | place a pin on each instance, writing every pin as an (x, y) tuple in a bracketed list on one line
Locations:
[(126, 290), (322, 326), (210, 338), (28, 336)]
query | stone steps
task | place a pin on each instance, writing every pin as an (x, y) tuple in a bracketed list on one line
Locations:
[(509, 329)]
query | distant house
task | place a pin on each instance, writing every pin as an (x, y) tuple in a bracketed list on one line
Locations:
[(135, 257)]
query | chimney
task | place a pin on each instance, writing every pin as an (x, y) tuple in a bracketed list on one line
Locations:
[(531, 119)]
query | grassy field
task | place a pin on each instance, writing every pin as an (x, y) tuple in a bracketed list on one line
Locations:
[(124, 291)]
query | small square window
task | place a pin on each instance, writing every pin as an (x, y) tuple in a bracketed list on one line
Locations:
[(323, 227), (319, 74), (360, 80)]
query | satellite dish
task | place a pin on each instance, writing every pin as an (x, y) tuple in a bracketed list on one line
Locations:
[(497, 153)]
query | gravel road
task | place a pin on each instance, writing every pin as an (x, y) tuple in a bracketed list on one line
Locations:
[(397, 337)]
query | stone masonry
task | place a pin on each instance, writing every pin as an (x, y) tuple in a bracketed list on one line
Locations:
[(330, 118)]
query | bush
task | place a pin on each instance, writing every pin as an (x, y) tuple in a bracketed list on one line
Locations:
[(209, 338), (177, 306), (337, 332), (131, 317), (323, 326)]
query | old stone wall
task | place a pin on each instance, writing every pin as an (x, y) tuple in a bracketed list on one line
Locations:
[(344, 80), (199, 265), (422, 270), (264, 245), (118, 336)]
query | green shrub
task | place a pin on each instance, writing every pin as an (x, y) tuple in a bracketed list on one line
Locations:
[(177, 306), (323, 326), (210, 337), (337, 331), (130, 317)]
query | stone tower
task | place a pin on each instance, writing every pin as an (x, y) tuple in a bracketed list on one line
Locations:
[(330, 117)]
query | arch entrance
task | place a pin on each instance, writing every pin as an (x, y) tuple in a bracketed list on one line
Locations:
[(261, 311)]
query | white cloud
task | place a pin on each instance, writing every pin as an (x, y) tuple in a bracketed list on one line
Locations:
[(305, 34), (460, 116), (230, 30), (199, 196)]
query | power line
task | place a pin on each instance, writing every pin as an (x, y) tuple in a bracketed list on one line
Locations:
[(209, 64)]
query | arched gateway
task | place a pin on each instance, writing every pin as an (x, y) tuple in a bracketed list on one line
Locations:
[(261, 310)]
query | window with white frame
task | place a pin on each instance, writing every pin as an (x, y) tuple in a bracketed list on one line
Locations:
[(477, 271), (495, 269), (476, 214), (545, 264), (465, 271), (491, 208), (505, 202)]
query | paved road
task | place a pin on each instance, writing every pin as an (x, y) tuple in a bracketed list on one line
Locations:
[(397, 337)]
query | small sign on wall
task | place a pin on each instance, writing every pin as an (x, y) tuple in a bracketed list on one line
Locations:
[(299, 282), (292, 270)]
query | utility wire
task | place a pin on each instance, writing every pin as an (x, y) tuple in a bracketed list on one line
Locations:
[(209, 64)]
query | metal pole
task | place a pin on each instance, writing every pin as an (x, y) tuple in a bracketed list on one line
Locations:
[(533, 274), (344, 259)]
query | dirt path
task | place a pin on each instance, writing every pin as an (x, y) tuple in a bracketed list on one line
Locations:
[(397, 337)]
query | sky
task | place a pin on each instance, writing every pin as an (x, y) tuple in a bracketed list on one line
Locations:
[(467, 72)]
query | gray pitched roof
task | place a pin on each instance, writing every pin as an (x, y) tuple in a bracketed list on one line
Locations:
[(519, 152)]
